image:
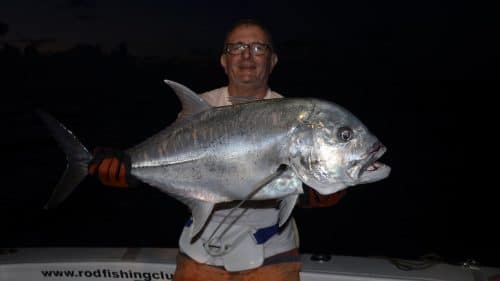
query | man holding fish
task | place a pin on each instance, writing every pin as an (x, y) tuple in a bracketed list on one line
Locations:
[(241, 240)]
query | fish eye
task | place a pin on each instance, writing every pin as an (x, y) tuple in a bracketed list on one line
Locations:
[(345, 134)]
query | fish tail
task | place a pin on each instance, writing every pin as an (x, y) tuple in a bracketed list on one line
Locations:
[(77, 156)]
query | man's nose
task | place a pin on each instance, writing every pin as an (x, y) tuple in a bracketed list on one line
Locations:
[(246, 53)]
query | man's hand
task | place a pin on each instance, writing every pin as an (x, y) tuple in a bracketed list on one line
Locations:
[(112, 167), (312, 199)]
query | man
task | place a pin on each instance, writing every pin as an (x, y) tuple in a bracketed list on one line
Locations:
[(243, 243)]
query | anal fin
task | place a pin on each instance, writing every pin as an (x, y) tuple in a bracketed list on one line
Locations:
[(286, 208), (200, 211)]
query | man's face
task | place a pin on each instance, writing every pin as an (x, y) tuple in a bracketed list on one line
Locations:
[(246, 68)]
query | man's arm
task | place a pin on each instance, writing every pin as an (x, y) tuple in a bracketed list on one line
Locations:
[(312, 199)]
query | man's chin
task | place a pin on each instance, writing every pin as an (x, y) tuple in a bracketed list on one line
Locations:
[(248, 80)]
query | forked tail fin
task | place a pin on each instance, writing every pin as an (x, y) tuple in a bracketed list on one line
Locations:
[(77, 156)]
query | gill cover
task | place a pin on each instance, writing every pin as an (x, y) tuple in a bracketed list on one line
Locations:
[(326, 148)]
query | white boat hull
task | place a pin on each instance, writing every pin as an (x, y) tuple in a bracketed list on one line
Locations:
[(147, 264)]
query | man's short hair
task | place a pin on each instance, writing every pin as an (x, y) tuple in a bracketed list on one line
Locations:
[(251, 22)]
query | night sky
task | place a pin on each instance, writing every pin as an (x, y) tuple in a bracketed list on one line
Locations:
[(420, 74)]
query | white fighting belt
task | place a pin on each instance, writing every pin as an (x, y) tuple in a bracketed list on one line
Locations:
[(236, 251)]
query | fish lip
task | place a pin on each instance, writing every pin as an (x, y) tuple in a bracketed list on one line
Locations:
[(375, 152), (370, 165)]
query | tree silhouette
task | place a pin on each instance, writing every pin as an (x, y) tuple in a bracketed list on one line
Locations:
[(4, 28)]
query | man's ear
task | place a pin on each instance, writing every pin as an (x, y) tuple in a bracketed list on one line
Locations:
[(223, 62), (274, 61)]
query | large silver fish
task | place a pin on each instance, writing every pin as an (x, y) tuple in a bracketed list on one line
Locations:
[(218, 154)]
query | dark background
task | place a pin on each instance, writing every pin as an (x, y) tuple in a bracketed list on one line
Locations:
[(421, 75)]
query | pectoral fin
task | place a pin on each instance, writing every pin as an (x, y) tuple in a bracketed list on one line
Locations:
[(286, 208)]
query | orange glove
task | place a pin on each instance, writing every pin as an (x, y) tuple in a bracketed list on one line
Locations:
[(112, 167), (312, 199)]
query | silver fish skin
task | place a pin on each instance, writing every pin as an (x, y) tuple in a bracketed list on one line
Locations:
[(211, 155)]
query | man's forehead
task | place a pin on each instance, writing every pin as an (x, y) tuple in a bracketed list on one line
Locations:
[(247, 32)]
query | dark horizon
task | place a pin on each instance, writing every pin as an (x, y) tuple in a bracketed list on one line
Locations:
[(420, 82)]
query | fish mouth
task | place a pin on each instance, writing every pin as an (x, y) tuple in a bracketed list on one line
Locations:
[(371, 169)]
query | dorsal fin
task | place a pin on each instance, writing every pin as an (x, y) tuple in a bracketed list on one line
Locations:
[(191, 102)]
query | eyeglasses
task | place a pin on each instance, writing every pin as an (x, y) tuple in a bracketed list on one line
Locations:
[(256, 48)]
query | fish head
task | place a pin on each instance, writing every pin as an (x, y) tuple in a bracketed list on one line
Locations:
[(331, 150)]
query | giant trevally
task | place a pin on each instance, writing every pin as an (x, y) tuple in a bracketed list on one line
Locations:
[(218, 154)]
